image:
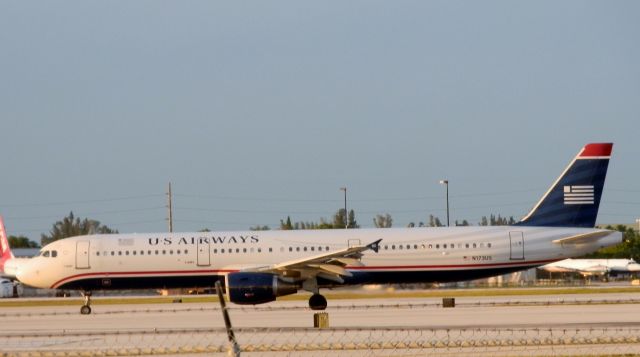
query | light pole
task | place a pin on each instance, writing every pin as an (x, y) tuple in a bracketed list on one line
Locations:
[(346, 215), (446, 184)]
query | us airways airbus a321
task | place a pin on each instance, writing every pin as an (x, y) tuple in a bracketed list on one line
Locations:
[(257, 267)]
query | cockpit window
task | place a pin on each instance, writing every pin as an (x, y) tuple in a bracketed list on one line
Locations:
[(54, 253), (45, 254)]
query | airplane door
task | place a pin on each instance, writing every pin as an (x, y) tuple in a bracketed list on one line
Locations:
[(204, 259), (82, 255), (516, 241), (353, 242)]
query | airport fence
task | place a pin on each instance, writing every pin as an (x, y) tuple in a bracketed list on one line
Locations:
[(334, 341)]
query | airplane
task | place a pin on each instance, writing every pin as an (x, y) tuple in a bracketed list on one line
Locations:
[(590, 267), (256, 267)]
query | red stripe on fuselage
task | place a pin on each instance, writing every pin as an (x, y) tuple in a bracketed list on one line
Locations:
[(393, 267), (379, 267)]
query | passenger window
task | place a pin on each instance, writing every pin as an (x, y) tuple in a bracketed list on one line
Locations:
[(327, 249), (444, 246), (142, 252), (244, 250), (113, 253), (237, 250), (270, 249), (305, 249), (393, 247), (399, 246), (437, 246), (157, 252), (186, 251), (290, 249), (164, 252), (259, 250), (313, 248), (135, 252), (297, 249), (119, 252), (474, 245), (171, 252), (127, 252), (415, 246), (488, 245), (430, 246), (222, 250)]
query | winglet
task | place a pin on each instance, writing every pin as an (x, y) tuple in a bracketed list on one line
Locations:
[(375, 246)]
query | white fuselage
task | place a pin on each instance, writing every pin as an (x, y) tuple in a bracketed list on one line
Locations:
[(198, 259)]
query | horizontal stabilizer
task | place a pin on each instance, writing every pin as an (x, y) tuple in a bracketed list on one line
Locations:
[(583, 238)]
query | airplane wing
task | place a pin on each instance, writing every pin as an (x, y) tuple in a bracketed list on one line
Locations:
[(583, 238), (330, 265)]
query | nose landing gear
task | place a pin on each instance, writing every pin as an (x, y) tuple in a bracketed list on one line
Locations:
[(86, 307)]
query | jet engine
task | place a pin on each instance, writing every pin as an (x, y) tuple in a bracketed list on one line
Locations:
[(256, 288)]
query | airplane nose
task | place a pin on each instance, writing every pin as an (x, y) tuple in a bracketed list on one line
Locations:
[(26, 275)]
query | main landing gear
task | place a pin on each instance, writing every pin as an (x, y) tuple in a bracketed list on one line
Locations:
[(317, 302), (86, 306)]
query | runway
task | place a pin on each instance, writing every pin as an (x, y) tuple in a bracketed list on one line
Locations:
[(483, 312), (370, 322)]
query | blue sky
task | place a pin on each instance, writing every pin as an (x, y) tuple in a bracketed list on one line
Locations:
[(259, 110)]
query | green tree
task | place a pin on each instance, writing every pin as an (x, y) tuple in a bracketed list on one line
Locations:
[(383, 221), (72, 226), (629, 248), (260, 228), (498, 220), (434, 221), (21, 242), (352, 220), (286, 226), (339, 219)]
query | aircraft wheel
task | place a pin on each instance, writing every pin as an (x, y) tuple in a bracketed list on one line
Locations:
[(317, 302), (85, 310)]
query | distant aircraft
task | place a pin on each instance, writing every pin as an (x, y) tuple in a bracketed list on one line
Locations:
[(258, 266), (589, 267)]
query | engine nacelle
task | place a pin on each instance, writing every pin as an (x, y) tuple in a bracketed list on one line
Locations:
[(256, 288)]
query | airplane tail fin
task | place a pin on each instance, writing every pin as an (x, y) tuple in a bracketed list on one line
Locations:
[(5, 250), (574, 198)]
